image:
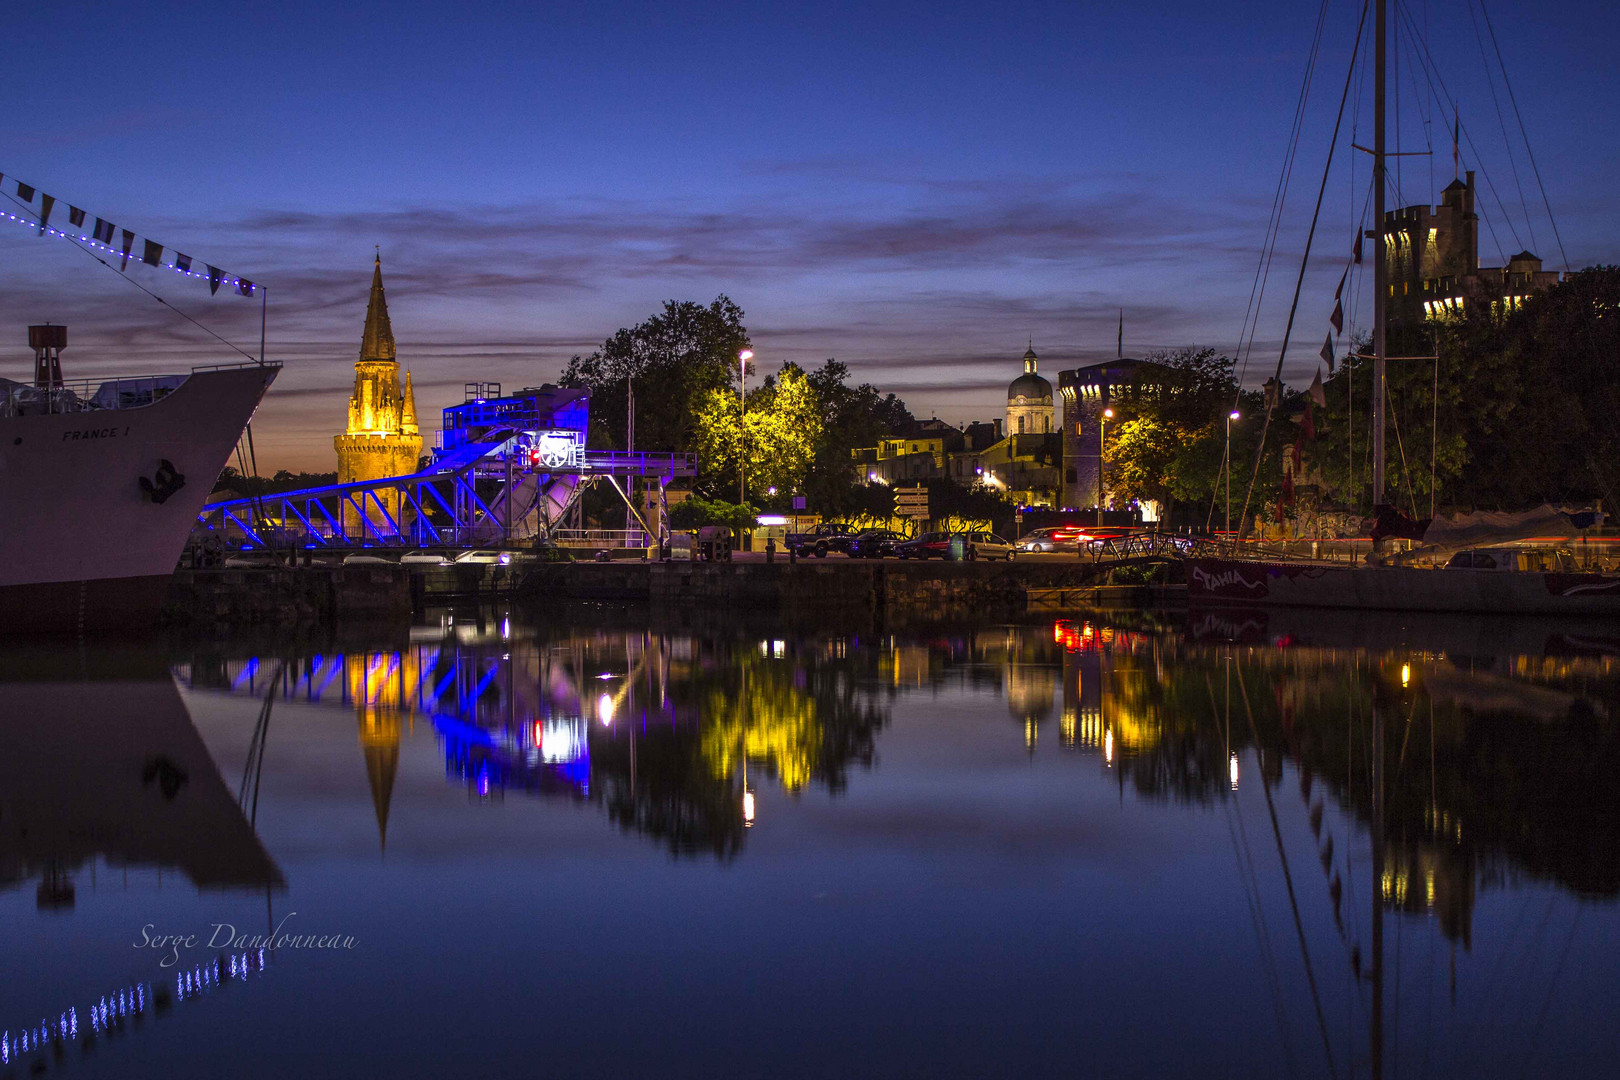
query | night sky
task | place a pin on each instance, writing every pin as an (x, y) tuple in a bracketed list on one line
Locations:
[(915, 189)]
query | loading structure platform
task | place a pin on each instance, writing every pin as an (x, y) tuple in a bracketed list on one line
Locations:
[(506, 470)]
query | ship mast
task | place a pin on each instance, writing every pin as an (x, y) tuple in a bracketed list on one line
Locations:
[(1380, 265)]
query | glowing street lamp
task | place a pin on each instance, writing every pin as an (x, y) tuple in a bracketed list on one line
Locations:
[(1231, 416), (1102, 449), (742, 400)]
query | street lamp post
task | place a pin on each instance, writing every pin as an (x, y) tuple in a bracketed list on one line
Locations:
[(1102, 448), (1231, 416), (742, 401)]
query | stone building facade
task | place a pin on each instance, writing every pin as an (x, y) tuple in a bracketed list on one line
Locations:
[(1086, 392), (1433, 259)]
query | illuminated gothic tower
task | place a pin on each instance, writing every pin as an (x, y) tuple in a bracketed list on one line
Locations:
[(382, 438)]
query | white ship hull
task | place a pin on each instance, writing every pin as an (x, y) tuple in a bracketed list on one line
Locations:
[(82, 545)]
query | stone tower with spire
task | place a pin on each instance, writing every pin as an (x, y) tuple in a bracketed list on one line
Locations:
[(382, 438)]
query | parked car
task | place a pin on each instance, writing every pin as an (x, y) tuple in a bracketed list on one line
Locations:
[(873, 543), (818, 541), (1054, 538), (257, 559), (985, 545), (368, 558), (928, 545), (484, 557)]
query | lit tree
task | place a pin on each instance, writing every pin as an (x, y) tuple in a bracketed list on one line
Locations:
[(776, 440)]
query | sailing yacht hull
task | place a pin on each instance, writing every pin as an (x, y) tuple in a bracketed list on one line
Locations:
[(83, 545), (1395, 588)]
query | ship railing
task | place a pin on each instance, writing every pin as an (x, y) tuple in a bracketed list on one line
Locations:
[(99, 393)]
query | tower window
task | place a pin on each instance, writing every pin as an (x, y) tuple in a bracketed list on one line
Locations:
[(1020, 425)]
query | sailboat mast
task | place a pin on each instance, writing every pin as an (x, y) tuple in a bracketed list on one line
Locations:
[(1380, 263)]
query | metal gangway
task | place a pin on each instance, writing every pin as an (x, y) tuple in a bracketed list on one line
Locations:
[(499, 491)]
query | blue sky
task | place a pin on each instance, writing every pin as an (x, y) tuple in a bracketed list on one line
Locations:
[(914, 189)]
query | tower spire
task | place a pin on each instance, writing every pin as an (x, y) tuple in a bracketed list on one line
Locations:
[(378, 342)]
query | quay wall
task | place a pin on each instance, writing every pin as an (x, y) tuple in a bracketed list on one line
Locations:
[(841, 585), (288, 596)]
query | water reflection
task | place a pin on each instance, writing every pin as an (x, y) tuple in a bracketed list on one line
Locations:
[(102, 762), (1348, 782)]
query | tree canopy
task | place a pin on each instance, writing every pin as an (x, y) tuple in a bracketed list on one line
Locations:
[(674, 359)]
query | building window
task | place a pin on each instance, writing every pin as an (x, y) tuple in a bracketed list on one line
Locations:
[(1020, 425)]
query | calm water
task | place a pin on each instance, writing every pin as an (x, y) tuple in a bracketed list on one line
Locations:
[(572, 845)]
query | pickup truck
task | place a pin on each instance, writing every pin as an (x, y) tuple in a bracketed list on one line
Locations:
[(819, 540)]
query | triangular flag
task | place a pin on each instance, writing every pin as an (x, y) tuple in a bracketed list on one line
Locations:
[(1358, 247), (153, 255), (214, 276), (182, 263), (1342, 278), (103, 231), (24, 192), (75, 216), (1317, 392), (244, 287), (1327, 352), (46, 202), (1337, 318), (129, 242)]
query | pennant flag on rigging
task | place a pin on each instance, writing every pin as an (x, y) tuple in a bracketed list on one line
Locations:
[(214, 276), (103, 232), (129, 242), (25, 192), (46, 204), (1327, 352), (1337, 318), (75, 216), (153, 254)]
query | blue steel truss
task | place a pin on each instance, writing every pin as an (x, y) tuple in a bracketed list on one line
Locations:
[(485, 494)]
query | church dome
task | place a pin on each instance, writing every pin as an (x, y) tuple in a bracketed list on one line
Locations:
[(1029, 386)]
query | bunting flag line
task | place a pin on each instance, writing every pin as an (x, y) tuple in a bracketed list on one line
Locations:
[(1337, 318), (1342, 279), (1358, 248), (1327, 352), (102, 238)]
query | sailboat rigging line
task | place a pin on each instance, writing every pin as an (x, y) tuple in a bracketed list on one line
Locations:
[(1501, 124), (1434, 426), (1528, 152), (1257, 916), (79, 247), (1279, 197), (1406, 472), (1288, 879), (1431, 72), (1552, 985), (1305, 259)]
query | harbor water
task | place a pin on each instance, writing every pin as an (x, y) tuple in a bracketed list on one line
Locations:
[(594, 841)]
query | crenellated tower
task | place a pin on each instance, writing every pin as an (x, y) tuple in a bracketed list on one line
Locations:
[(382, 438)]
